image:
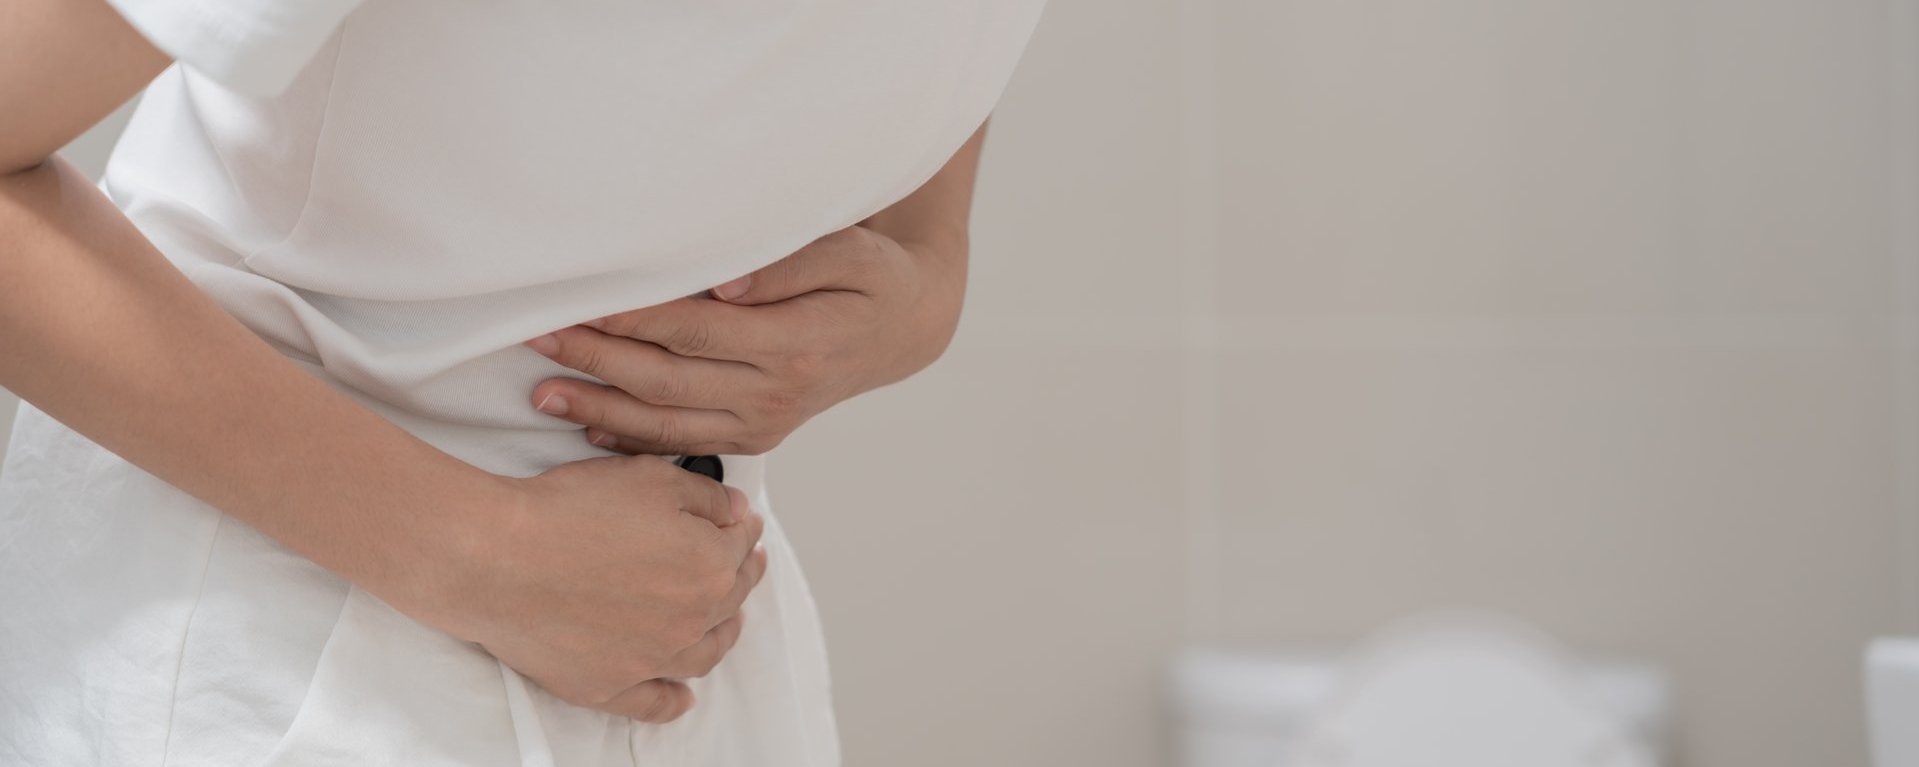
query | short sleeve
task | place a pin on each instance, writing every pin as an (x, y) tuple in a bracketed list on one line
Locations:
[(253, 46)]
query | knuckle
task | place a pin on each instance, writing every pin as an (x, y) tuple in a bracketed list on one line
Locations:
[(650, 664), (706, 660), (639, 325), (687, 631), (690, 339), (714, 566), (711, 497), (587, 358), (718, 587), (570, 344), (665, 430), (660, 390), (755, 526)]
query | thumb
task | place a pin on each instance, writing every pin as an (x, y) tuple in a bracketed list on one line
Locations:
[(820, 265)]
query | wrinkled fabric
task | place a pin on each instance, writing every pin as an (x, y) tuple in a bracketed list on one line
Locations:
[(143, 627), (395, 194)]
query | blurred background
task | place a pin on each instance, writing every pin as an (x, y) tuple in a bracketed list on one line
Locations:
[(1292, 317)]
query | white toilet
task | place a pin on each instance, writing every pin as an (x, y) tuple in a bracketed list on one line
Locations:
[(1892, 701), (1466, 689)]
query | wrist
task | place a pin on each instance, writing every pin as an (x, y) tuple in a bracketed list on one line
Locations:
[(941, 280), (432, 563)]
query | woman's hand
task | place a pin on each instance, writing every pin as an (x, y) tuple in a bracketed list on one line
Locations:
[(605, 580), (738, 372), (601, 580)]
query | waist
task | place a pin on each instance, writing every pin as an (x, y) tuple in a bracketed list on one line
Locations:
[(452, 373), (490, 443)]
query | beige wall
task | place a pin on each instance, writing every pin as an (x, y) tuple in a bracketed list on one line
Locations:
[(1584, 311), (1292, 316), (1580, 310)]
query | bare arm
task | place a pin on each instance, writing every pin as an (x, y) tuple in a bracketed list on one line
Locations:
[(578, 578), (103, 334)]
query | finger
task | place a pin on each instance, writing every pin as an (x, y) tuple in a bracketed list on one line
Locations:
[(699, 660), (660, 430), (717, 504), (740, 537), (842, 260), (648, 371), (631, 447), (736, 538), (656, 701), (747, 444), (702, 327), (619, 444), (751, 571)]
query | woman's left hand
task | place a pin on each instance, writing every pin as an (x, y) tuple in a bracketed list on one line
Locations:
[(737, 372)]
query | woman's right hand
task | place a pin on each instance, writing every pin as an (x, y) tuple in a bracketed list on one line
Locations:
[(601, 580), (607, 579)]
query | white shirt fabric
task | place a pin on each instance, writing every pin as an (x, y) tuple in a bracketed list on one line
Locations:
[(395, 194)]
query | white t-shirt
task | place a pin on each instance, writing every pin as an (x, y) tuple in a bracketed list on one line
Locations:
[(397, 193), (440, 180)]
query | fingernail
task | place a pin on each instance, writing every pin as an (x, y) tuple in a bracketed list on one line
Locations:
[(734, 289), (546, 344), (599, 438), (553, 404), (738, 503)]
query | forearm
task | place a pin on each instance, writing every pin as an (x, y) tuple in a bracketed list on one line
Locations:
[(103, 334)]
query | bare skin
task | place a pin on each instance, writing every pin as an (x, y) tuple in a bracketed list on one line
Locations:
[(598, 579), (602, 580), (738, 371)]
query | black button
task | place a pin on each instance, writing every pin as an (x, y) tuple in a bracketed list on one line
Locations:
[(708, 465)]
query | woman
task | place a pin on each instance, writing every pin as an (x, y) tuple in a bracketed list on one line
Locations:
[(301, 479)]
